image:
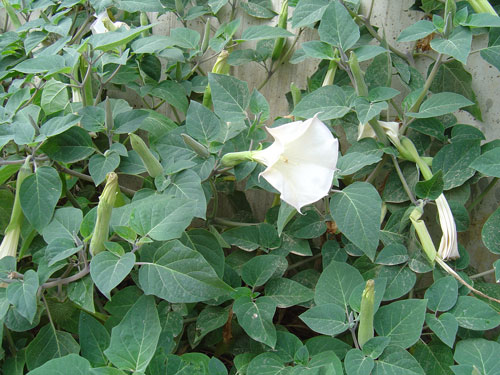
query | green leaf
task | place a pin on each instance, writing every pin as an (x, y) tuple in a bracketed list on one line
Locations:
[(490, 234), (472, 313), (185, 37), (308, 12), (173, 93), (179, 274), (133, 342), (22, 294), (162, 217), (94, 339), (202, 124), (65, 224), (445, 327), (39, 195), (256, 318), (285, 214), (452, 77), (101, 165), (392, 254), (327, 319), (482, 20), (252, 237), (417, 31), (441, 104), (328, 102), (287, 293), (443, 294), (267, 364), (257, 10), (210, 318), (108, 270), (230, 97), (356, 363), (129, 121), (71, 146), (336, 283), (186, 186), (58, 125), (257, 271), (355, 161), (108, 41), (481, 353), (264, 32), (337, 27), (401, 321), (457, 45), (455, 161), (396, 360), (318, 50), (49, 344), (41, 64), (309, 225), (59, 249), (207, 245), (435, 358), (430, 189), (60, 366), (356, 210), (54, 97), (81, 292), (488, 163), (366, 110)]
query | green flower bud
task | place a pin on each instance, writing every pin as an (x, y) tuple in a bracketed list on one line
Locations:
[(220, 67), (104, 210), (423, 234), (296, 94), (234, 158), (330, 73), (482, 6), (152, 164), (282, 21), (196, 146), (365, 329), (359, 80)]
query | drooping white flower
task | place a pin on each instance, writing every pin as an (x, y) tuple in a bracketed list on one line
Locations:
[(103, 24), (448, 247), (391, 128), (8, 248), (301, 161)]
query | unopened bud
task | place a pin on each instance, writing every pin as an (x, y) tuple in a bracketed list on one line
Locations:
[(195, 146), (152, 164), (365, 330)]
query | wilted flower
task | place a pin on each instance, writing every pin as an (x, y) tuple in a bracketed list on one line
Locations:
[(391, 128), (301, 161), (448, 247), (103, 24), (8, 248)]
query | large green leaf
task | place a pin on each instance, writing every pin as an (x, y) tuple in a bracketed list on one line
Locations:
[(481, 353), (59, 249), (173, 93), (356, 363), (267, 364), (94, 339), (49, 344), (177, 273), (39, 195), (258, 270), (101, 165), (457, 45), (73, 145), (490, 233), (443, 294), (441, 104), (58, 125), (22, 294), (472, 313), (140, 5), (401, 321), (202, 124), (65, 224), (264, 32), (108, 270), (488, 163), (54, 97), (418, 30), (186, 186), (492, 53), (396, 360), (162, 217), (455, 161), (356, 210), (287, 293), (328, 102), (110, 40), (327, 319), (60, 366), (134, 340), (337, 27), (435, 358), (230, 97), (256, 318), (308, 12), (445, 327), (208, 246), (336, 283)]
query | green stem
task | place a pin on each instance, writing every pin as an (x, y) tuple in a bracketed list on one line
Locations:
[(481, 196), (230, 223), (403, 180), (415, 107)]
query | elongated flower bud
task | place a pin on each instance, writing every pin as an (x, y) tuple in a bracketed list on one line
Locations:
[(423, 234), (330, 73), (234, 158), (104, 210), (13, 230), (12, 13), (152, 164), (482, 6), (359, 80), (280, 42), (195, 146), (365, 330), (296, 94), (220, 67)]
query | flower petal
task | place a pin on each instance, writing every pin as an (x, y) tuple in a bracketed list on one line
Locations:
[(448, 247)]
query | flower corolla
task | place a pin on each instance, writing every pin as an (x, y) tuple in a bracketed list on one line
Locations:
[(103, 24), (448, 247), (8, 248), (391, 128), (301, 162)]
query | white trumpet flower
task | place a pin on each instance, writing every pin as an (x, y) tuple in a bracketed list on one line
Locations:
[(103, 24), (301, 162), (448, 247)]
